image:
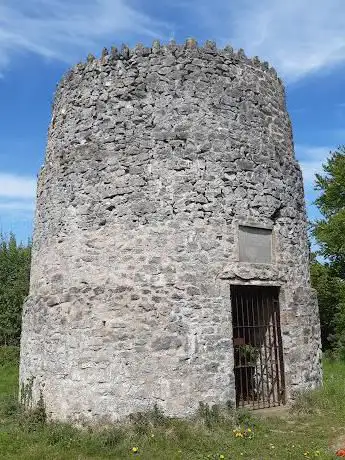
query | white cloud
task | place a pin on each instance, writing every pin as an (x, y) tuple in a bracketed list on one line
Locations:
[(68, 29), (13, 186), (17, 199), (311, 159), (17, 205), (297, 36)]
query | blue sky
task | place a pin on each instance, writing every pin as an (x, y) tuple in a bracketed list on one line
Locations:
[(41, 39)]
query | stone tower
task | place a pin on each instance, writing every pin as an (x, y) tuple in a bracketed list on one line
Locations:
[(170, 207)]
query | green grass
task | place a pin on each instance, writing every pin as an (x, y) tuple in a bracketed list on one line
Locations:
[(316, 424), (9, 357)]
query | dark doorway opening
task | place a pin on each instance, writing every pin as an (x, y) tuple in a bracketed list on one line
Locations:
[(258, 352)]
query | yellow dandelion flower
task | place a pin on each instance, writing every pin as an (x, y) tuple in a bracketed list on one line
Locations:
[(249, 430), (135, 450), (221, 456)]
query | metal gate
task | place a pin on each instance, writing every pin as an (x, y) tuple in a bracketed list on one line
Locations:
[(258, 354)]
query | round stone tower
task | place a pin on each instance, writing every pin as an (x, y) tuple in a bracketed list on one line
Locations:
[(170, 204)]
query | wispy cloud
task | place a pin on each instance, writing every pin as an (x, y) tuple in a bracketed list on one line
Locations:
[(17, 199), (297, 36), (338, 134), (13, 186), (17, 205), (311, 159), (68, 29)]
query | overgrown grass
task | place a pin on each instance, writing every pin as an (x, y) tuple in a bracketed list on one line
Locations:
[(314, 428)]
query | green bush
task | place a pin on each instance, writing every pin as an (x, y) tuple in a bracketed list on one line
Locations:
[(9, 356), (15, 262)]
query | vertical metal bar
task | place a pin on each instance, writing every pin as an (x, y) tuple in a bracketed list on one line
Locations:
[(281, 359), (264, 294), (258, 347), (258, 341), (243, 369), (269, 303), (247, 336), (277, 370), (243, 356), (250, 341), (255, 391), (239, 370), (260, 329), (264, 335), (233, 324), (236, 351)]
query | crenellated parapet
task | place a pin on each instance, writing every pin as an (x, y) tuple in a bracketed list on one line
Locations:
[(190, 48), (134, 73)]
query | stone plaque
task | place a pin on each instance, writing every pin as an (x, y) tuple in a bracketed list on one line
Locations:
[(255, 245)]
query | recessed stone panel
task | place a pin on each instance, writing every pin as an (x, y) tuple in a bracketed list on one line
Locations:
[(255, 245)]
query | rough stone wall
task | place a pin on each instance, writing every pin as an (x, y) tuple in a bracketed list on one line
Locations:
[(154, 157)]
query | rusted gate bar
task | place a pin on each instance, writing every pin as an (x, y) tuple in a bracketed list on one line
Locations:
[(258, 353)]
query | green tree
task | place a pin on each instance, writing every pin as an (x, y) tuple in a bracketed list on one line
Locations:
[(329, 231), (331, 299), (14, 287)]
